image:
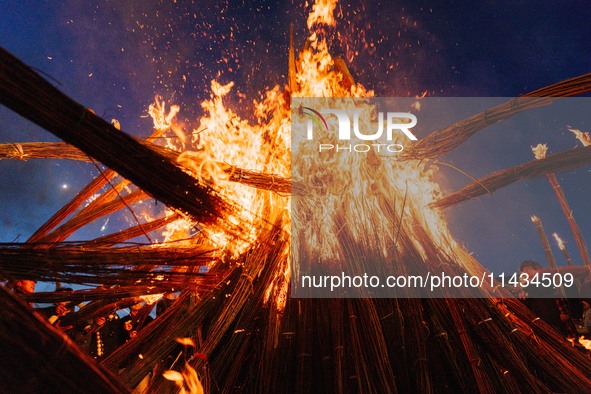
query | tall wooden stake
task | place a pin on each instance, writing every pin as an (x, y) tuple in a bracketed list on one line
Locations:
[(563, 249), (545, 243), (540, 153)]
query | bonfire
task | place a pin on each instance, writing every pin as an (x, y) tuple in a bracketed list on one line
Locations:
[(233, 213)]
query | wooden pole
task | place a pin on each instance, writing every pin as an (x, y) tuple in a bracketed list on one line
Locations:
[(547, 250), (563, 249), (568, 213), (539, 152)]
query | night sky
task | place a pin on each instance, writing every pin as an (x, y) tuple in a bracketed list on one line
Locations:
[(115, 56)]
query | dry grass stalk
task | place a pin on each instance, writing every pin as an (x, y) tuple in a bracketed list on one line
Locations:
[(132, 232), (88, 216)]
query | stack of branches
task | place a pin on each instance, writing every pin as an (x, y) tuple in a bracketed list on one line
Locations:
[(241, 338), (445, 140), (41, 150), (25, 92)]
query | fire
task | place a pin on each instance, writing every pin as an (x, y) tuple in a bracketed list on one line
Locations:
[(585, 342), (408, 185), (585, 138), (559, 241), (187, 382), (151, 298), (539, 151), (318, 76), (162, 120), (322, 13), (265, 145)]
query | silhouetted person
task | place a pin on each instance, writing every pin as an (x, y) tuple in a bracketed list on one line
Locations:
[(541, 300), (164, 303), (104, 336), (135, 321), (54, 313)]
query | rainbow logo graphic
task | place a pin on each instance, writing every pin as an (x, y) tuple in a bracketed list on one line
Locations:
[(316, 117)]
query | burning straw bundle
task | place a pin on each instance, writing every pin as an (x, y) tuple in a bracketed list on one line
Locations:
[(41, 150), (61, 150), (248, 334), (24, 91)]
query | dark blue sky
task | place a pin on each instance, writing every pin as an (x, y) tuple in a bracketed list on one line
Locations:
[(115, 56)]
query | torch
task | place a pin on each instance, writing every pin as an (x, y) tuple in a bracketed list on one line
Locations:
[(569, 261), (562, 248), (585, 138), (547, 250)]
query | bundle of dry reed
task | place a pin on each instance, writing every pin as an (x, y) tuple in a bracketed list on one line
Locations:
[(61, 150), (41, 150), (445, 140), (93, 294), (132, 232), (25, 92), (557, 162), (244, 340), (102, 265)]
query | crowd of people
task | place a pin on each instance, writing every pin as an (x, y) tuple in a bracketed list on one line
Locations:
[(100, 336), (565, 308)]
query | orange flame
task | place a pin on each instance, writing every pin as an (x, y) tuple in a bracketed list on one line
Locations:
[(265, 146), (559, 241)]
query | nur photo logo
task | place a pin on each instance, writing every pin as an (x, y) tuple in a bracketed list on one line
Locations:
[(389, 125)]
